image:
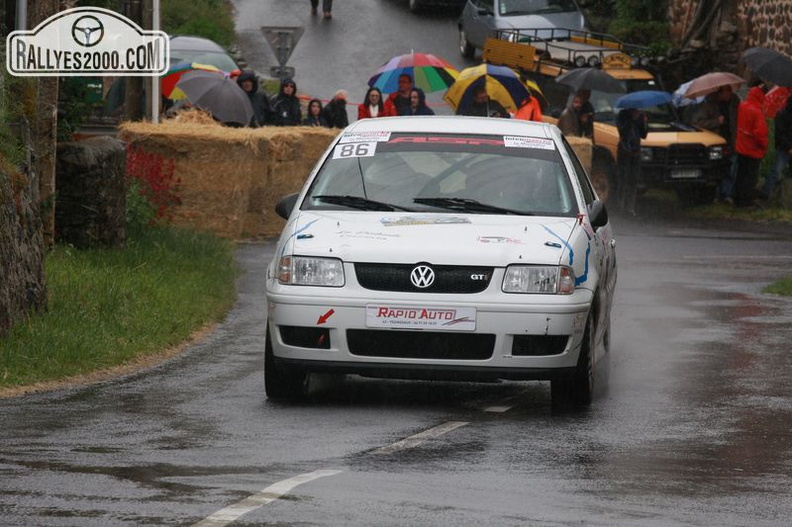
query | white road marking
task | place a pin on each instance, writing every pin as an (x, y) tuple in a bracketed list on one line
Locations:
[(498, 409), (419, 438), (251, 503)]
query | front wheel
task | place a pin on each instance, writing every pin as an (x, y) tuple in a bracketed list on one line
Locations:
[(282, 383), (465, 47), (578, 389)]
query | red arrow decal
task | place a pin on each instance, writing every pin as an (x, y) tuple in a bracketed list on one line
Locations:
[(323, 318)]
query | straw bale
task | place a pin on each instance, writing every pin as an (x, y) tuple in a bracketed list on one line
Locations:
[(583, 147), (231, 178)]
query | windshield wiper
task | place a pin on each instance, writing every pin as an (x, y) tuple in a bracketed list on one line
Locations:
[(467, 205), (357, 202)]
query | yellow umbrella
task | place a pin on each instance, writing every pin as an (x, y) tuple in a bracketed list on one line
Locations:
[(502, 83)]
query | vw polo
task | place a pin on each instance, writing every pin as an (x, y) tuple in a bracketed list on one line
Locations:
[(443, 248)]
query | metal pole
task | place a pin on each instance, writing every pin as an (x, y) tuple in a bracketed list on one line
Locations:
[(21, 15), (155, 81)]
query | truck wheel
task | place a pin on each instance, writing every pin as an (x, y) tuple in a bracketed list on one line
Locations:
[(603, 180), (282, 383), (465, 48)]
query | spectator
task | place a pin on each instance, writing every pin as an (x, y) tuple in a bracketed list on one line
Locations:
[(398, 103), (573, 121), (783, 148), (334, 112), (418, 103), (751, 146), (262, 110), (372, 105), (314, 114), (586, 113), (529, 110), (632, 125), (718, 114), (327, 7), (286, 105), (483, 106)]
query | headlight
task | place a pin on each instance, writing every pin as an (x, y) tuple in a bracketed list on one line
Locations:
[(305, 270), (551, 280), (646, 154), (715, 153)]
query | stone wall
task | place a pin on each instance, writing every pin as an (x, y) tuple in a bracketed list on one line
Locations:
[(723, 29), (22, 284), (90, 209)]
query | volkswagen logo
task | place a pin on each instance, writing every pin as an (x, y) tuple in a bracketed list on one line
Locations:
[(87, 31), (422, 276)]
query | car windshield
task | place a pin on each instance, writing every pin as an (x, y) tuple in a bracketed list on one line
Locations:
[(444, 173), (534, 7), (603, 102)]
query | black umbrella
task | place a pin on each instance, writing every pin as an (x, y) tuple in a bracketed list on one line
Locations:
[(770, 65), (590, 79), (218, 95)]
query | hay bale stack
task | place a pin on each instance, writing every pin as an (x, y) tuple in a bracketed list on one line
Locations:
[(583, 147), (229, 179)]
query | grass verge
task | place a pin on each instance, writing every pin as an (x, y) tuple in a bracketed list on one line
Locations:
[(110, 307)]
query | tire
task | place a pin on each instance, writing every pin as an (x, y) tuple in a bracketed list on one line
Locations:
[(578, 390), (465, 48), (282, 383)]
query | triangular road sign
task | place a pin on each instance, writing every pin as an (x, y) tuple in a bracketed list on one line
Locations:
[(282, 40)]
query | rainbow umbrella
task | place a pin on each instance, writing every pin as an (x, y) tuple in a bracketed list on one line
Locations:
[(429, 72), (502, 83), (169, 80)]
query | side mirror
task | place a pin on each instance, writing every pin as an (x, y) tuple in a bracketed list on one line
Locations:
[(598, 214), (285, 206)]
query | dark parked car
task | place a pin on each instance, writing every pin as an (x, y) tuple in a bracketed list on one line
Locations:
[(417, 6)]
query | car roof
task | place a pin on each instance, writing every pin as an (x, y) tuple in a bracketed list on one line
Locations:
[(454, 124), (187, 43)]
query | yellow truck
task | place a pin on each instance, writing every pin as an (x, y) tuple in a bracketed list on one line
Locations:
[(674, 155)]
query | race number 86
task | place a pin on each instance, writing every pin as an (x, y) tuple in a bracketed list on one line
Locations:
[(346, 150)]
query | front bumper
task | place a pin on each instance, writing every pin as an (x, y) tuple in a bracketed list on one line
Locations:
[(515, 336)]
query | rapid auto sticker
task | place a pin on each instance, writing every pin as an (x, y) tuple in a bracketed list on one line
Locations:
[(391, 221), (457, 319), (517, 141), (364, 137)]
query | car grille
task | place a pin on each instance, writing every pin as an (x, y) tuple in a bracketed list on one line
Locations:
[(420, 344), (448, 278), (682, 155)]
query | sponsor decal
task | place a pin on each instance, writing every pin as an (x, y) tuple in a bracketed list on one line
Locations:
[(457, 319), (367, 235), (499, 239), (516, 141), (421, 220), (364, 137), (87, 41)]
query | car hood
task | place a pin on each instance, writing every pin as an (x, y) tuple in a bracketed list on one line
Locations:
[(475, 239), (569, 19)]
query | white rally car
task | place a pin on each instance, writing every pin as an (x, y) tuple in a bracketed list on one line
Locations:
[(444, 248)]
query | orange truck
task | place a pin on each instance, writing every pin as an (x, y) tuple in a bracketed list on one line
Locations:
[(674, 155)]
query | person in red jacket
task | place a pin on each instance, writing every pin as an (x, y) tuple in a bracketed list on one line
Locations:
[(751, 146), (372, 105), (398, 103), (529, 110)]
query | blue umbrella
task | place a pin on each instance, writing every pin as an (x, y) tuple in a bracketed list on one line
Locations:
[(643, 99)]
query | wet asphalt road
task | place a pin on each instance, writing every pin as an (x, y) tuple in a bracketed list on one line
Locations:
[(694, 429)]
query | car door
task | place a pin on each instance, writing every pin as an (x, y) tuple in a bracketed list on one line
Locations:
[(479, 20)]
